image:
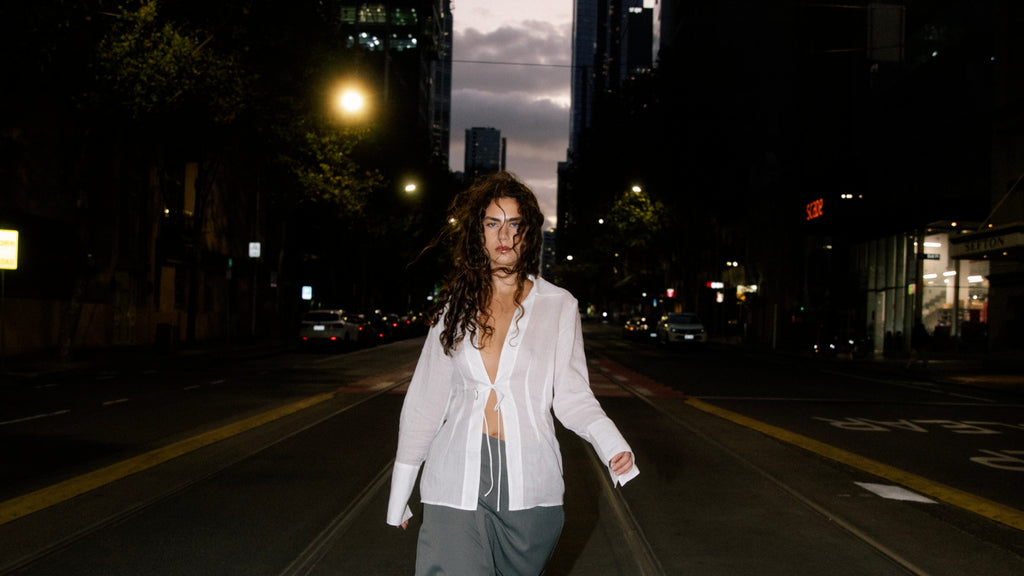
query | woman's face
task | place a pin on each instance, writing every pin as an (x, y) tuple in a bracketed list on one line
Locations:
[(501, 229)]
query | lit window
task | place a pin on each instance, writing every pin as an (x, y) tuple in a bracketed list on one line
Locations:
[(404, 17), (369, 41), (372, 14)]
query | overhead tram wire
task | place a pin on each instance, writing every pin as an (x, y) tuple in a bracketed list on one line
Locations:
[(499, 63)]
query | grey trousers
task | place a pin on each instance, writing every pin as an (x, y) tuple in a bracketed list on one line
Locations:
[(490, 540)]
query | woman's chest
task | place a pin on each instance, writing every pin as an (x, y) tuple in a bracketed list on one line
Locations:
[(493, 346)]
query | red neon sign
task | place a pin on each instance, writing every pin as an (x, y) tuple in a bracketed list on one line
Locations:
[(815, 209)]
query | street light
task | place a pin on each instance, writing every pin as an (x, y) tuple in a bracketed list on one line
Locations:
[(351, 101)]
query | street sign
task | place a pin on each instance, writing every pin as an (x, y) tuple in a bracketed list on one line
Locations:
[(254, 249), (8, 249), (927, 256)]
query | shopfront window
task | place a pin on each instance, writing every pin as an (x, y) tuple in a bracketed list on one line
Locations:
[(955, 298)]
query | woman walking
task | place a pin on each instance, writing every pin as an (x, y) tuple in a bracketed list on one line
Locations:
[(503, 356)]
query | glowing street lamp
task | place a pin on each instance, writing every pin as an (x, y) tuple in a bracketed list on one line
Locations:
[(410, 188), (351, 101)]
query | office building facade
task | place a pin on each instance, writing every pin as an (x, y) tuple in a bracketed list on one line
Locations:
[(485, 151)]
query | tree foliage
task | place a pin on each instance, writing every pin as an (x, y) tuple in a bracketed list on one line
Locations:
[(327, 171), (149, 65), (637, 219)]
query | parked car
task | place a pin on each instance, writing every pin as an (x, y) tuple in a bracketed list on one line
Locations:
[(639, 328), (415, 324), (327, 327), (683, 327), (382, 326), (366, 335)]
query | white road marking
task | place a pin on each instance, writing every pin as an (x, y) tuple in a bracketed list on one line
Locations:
[(36, 417), (894, 492)]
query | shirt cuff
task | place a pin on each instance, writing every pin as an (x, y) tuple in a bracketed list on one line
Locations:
[(403, 479), (608, 442), (622, 479)]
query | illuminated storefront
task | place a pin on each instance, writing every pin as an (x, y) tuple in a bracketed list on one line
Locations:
[(1001, 248), (911, 276), (954, 303)]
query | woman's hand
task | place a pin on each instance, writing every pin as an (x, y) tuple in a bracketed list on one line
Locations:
[(621, 463), (404, 525)]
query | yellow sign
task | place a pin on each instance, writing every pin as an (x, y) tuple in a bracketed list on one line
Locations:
[(8, 249)]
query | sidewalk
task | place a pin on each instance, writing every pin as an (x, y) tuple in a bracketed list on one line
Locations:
[(997, 371), (1002, 372)]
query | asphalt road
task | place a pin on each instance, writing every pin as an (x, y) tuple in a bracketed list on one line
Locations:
[(278, 464)]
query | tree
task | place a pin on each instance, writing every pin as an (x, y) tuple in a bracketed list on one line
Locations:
[(147, 88), (152, 67)]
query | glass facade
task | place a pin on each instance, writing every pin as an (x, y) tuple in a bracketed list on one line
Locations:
[(955, 292), (376, 13), (899, 274), (411, 39)]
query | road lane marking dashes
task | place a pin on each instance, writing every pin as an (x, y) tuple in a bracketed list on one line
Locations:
[(35, 417)]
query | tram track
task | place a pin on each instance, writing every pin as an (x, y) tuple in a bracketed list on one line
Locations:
[(644, 561), (834, 518), (308, 560), (179, 449), (344, 521), (338, 531)]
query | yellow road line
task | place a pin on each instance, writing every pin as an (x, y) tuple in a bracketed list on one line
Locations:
[(34, 501), (987, 508)]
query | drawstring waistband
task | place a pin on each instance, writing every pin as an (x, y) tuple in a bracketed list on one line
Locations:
[(490, 456), (499, 398)]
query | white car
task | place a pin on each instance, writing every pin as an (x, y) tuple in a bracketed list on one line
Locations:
[(328, 327), (682, 327)]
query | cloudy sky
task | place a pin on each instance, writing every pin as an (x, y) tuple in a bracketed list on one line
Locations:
[(529, 104)]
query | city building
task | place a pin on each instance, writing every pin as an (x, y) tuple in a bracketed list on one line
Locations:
[(548, 255), (832, 170), (190, 218), (485, 152), (612, 59), (612, 43), (410, 44)]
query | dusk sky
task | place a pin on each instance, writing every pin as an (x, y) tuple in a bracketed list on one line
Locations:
[(529, 104)]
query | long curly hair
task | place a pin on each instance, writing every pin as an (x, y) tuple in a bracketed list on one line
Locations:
[(464, 299)]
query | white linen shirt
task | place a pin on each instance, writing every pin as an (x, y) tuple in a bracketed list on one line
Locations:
[(542, 367)]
